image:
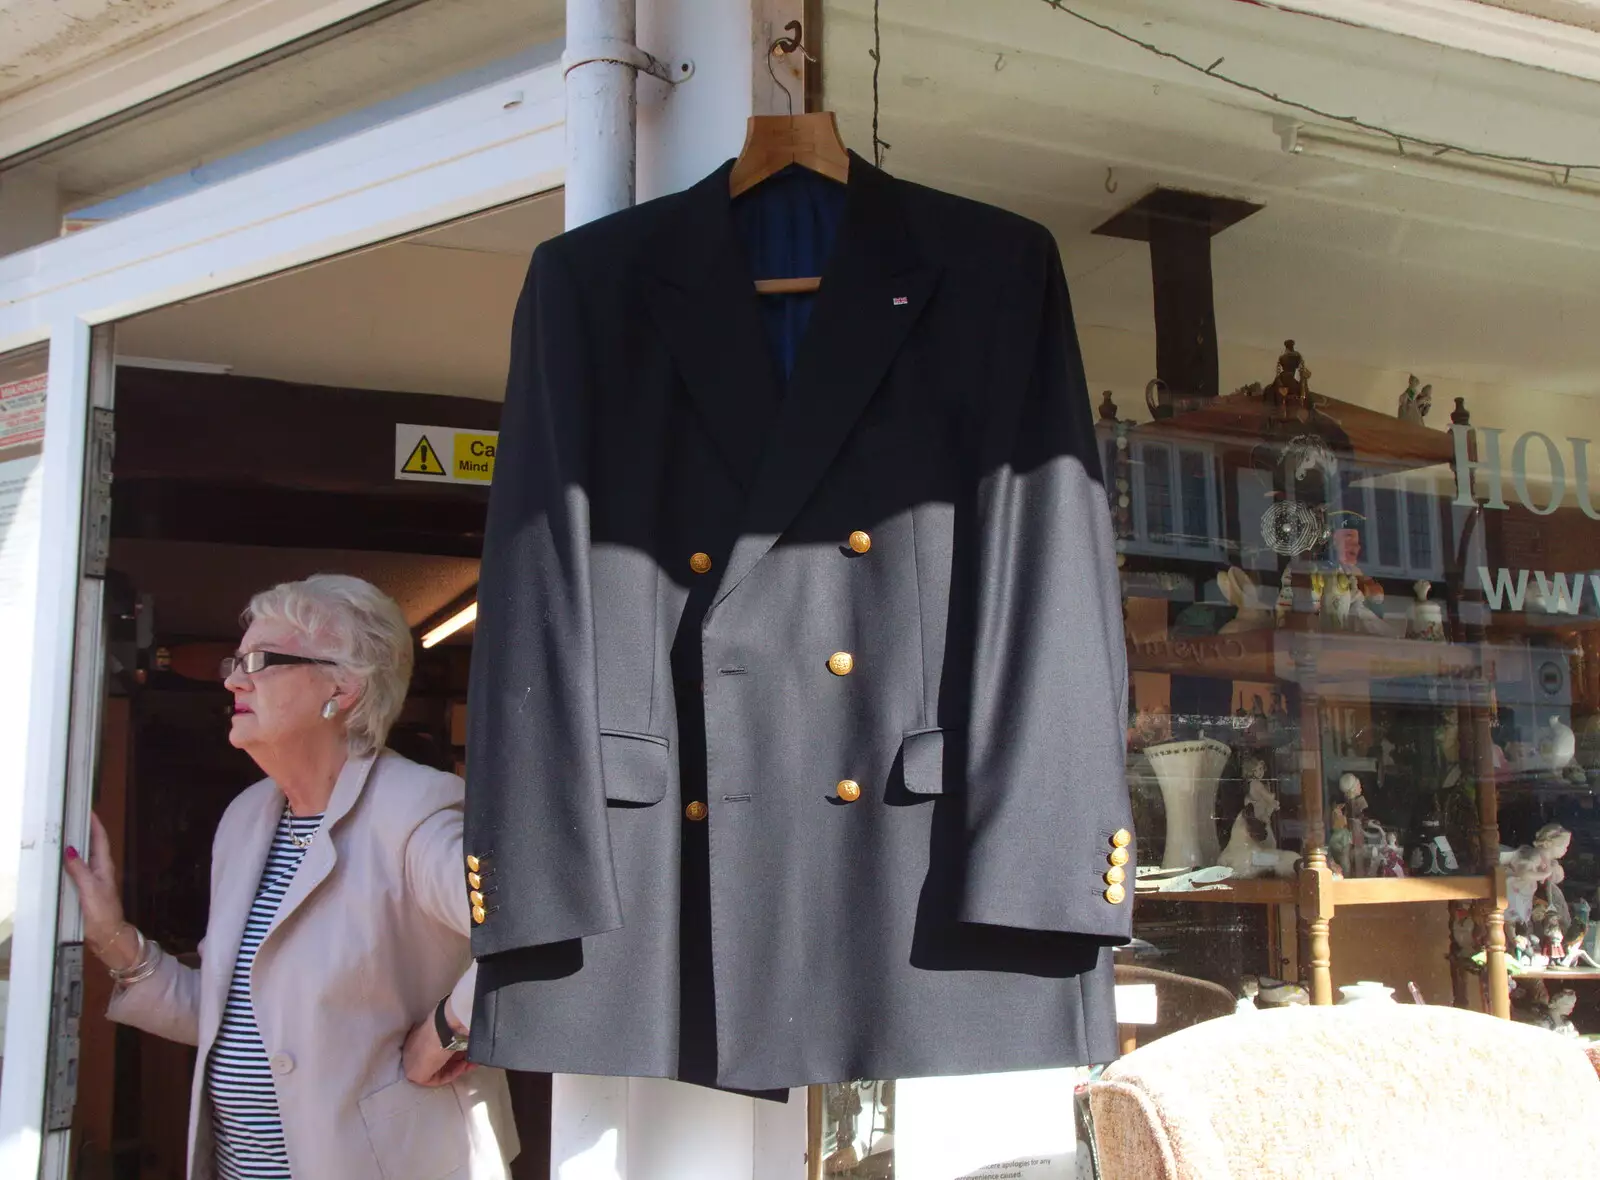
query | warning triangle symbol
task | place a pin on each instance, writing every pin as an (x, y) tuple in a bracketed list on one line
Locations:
[(423, 460)]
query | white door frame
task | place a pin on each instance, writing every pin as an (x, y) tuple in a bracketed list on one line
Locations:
[(465, 155)]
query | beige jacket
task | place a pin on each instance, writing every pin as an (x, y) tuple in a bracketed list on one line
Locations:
[(372, 933)]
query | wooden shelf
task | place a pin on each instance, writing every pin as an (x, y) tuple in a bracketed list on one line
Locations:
[(1255, 891), (1356, 891), (1323, 658), (1391, 890), (1587, 974)]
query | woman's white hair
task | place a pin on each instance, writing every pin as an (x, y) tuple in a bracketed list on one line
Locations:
[(359, 627)]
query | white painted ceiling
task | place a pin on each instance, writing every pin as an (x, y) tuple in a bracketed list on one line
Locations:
[(414, 47), (41, 39)]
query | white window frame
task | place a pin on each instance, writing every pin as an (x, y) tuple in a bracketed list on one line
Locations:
[(465, 155)]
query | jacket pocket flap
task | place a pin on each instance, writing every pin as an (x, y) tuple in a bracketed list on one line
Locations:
[(636, 766), (922, 761), (417, 1132)]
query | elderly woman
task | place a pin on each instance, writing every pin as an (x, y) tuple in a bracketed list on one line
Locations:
[(335, 986)]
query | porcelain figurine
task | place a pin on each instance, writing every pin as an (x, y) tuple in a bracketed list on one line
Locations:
[(1252, 848), (1348, 595), (1414, 403), (1289, 384), (1578, 931), (1553, 841), (1552, 936), (1426, 620), (1557, 1015), (1240, 589), (1284, 607), (1526, 870), (1355, 811), (1355, 801), (1557, 746), (1339, 840), (1388, 860), (1249, 989)]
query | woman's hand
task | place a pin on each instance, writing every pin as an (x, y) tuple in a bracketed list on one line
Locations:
[(427, 1063), (100, 899)]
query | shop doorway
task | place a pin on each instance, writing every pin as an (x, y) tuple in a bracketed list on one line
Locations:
[(256, 436)]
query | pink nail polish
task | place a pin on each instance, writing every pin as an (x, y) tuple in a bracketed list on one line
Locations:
[(72, 853)]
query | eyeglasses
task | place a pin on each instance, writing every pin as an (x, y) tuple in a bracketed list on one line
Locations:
[(251, 662)]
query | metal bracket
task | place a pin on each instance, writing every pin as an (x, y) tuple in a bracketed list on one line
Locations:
[(625, 53), (65, 1017), (97, 492)]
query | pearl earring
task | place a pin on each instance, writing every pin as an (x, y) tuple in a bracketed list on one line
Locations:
[(330, 710)]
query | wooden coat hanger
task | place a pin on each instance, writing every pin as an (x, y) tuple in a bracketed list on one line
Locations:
[(774, 142)]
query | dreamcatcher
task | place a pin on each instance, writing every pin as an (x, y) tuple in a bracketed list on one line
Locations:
[(1292, 528)]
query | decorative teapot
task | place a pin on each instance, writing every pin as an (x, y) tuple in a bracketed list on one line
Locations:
[(1159, 399)]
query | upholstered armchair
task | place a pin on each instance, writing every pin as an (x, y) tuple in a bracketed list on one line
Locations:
[(1352, 1092)]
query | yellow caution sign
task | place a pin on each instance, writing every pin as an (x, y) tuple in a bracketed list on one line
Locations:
[(474, 455), (449, 454), (424, 460)]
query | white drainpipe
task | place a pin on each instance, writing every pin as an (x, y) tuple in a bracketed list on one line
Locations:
[(602, 66), (601, 61)]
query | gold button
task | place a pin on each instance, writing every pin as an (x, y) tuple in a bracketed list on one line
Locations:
[(479, 914), (476, 899), (1118, 856), (860, 541), (1123, 838), (472, 864), (700, 563), (695, 811), (474, 881), (849, 790), (840, 663), (1115, 893), (1115, 876)]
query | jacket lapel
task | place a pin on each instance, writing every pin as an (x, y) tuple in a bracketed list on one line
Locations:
[(873, 291), (702, 296), (320, 858), (234, 893)]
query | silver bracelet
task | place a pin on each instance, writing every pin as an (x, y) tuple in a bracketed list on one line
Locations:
[(143, 967)]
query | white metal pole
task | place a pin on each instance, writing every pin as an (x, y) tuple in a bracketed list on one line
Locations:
[(600, 108)]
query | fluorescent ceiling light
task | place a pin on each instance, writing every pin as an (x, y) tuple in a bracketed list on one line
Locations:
[(464, 617), (153, 362)]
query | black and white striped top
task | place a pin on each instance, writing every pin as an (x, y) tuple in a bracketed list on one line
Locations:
[(244, 1106)]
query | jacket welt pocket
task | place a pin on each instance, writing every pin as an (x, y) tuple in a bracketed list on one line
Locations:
[(636, 766), (922, 762), (417, 1132)]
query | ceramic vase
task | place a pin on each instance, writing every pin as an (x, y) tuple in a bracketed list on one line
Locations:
[(1188, 774), (1366, 992)]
